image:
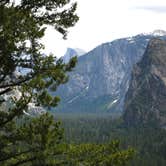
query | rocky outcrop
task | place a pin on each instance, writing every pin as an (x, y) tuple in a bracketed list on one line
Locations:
[(70, 53), (145, 100), (101, 78)]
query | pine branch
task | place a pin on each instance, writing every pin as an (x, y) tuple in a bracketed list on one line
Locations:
[(17, 154), (15, 112), (24, 161), (5, 91)]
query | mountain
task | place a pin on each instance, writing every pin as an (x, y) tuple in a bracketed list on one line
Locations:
[(145, 100), (101, 78), (156, 33), (71, 53), (32, 110)]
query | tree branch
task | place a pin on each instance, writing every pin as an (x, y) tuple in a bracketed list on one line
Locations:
[(17, 154), (18, 82), (14, 113), (5, 91), (24, 161)]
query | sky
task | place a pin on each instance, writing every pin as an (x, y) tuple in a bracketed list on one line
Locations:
[(105, 20)]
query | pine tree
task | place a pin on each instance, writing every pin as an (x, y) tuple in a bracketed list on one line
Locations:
[(38, 141), (21, 28), (22, 25)]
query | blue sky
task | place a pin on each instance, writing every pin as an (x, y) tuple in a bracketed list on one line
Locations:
[(105, 20)]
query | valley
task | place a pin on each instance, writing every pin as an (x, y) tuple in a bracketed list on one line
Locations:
[(148, 140), (103, 105), (101, 78)]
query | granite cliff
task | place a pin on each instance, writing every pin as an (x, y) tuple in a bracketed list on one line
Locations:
[(101, 78), (145, 101)]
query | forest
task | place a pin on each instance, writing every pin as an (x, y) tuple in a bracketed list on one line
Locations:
[(148, 141), (27, 78)]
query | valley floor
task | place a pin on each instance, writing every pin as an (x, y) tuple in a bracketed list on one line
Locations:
[(148, 141)]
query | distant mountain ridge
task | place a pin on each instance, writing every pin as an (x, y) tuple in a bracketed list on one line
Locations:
[(156, 33), (145, 100), (101, 78), (71, 52)]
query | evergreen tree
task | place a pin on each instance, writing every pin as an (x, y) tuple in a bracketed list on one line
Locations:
[(21, 28), (22, 25), (38, 141)]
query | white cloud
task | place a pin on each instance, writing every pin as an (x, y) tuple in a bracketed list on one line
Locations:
[(157, 9), (105, 20)]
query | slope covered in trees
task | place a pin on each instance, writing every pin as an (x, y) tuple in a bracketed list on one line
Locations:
[(27, 141), (148, 141)]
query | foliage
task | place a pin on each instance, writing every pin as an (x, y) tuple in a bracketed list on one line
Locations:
[(28, 76), (21, 28), (100, 155), (90, 128), (39, 141), (149, 141), (36, 141)]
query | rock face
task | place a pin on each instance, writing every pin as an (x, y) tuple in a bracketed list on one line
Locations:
[(71, 53), (101, 78), (145, 100)]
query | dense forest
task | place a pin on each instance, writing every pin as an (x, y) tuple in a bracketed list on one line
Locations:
[(26, 79), (148, 141)]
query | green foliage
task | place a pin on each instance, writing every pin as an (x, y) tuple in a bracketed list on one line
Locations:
[(90, 128), (34, 142), (149, 141), (38, 141), (21, 28), (100, 155)]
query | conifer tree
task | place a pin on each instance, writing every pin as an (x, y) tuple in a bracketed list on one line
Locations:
[(28, 76), (22, 26)]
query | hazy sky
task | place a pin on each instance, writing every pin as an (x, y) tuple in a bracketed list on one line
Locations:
[(104, 20)]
